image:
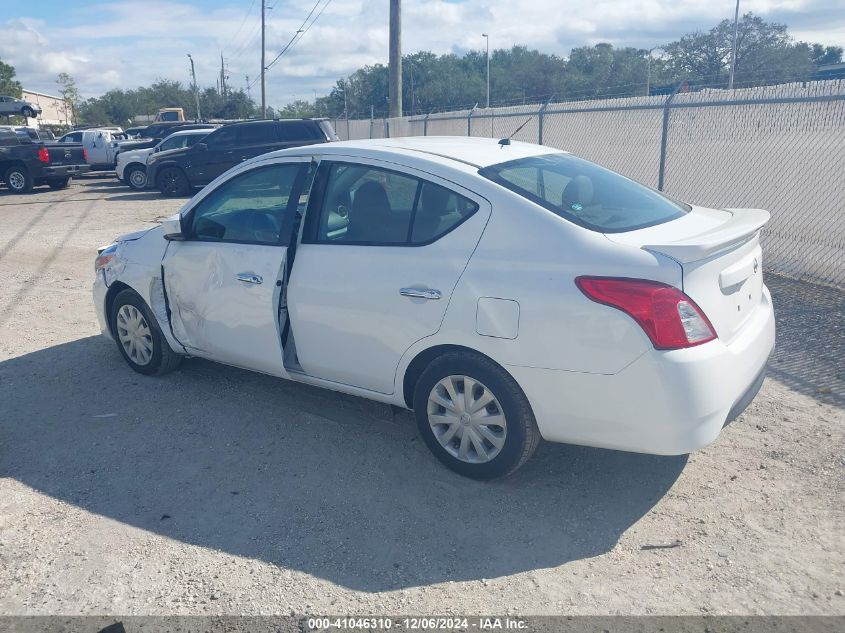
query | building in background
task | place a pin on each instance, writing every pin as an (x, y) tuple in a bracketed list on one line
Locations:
[(54, 110)]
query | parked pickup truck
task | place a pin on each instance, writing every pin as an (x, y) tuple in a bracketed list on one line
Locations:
[(25, 163)]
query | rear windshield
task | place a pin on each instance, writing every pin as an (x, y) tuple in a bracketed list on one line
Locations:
[(584, 193)]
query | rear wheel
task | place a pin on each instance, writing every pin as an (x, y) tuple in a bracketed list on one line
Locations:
[(138, 336), (136, 177), (28, 112), (474, 417), (59, 184), (172, 182), (18, 179)]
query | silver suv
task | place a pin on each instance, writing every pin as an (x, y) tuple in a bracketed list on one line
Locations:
[(10, 106)]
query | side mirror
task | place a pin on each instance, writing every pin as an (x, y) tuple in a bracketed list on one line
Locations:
[(172, 227), (156, 149), (201, 147)]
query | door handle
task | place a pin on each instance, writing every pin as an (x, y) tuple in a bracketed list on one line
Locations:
[(250, 278), (424, 293)]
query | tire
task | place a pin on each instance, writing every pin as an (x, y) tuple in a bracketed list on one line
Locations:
[(147, 352), (172, 182), (136, 177), (18, 179), (59, 184), (518, 435), (28, 112)]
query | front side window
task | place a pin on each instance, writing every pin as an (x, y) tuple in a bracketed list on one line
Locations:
[(251, 207), (375, 206), (584, 193), (174, 142), (224, 137)]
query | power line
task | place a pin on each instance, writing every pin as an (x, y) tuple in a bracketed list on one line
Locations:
[(300, 32), (246, 15)]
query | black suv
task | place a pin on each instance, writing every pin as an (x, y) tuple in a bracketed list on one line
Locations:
[(176, 172)]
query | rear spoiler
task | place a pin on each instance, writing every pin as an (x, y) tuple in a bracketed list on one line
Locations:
[(743, 226)]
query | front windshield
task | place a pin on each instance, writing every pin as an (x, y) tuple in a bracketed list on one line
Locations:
[(584, 193)]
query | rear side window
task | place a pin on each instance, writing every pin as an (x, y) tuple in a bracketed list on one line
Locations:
[(379, 207), (292, 131), (584, 193), (256, 134)]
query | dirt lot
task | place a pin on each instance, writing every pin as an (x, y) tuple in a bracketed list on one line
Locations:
[(215, 490)]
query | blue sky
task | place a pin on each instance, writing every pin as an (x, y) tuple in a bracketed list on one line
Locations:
[(127, 43)]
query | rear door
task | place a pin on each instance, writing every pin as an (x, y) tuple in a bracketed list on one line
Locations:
[(224, 282), (383, 247), (205, 162), (254, 139)]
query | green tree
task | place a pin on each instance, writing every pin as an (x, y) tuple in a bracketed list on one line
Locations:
[(9, 86), (765, 53), (825, 55), (69, 93)]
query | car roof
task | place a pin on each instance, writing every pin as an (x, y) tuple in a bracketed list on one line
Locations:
[(199, 130), (470, 152)]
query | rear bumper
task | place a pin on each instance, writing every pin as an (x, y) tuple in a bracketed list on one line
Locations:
[(665, 402), (63, 171)]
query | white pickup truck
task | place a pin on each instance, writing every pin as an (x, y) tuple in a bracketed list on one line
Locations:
[(98, 144), (131, 165)]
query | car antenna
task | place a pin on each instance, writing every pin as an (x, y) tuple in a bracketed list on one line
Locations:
[(507, 140)]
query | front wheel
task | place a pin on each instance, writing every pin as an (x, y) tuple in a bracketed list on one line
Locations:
[(136, 177), (138, 336), (474, 417), (19, 180), (172, 182), (28, 112)]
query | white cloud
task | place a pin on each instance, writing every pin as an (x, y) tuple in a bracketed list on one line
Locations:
[(131, 43)]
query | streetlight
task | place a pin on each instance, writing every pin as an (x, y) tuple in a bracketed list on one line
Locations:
[(648, 69), (487, 37)]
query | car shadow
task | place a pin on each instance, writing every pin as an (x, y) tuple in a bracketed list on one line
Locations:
[(141, 195), (335, 486), (810, 338)]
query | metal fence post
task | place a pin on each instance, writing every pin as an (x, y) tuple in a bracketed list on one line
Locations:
[(425, 124), (371, 121), (664, 137), (541, 121), (387, 128), (469, 119)]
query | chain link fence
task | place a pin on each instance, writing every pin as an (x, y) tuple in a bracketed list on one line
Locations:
[(781, 148)]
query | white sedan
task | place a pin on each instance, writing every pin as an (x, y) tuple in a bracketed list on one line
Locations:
[(502, 291), (131, 166)]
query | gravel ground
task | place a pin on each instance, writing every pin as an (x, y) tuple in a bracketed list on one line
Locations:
[(216, 490)]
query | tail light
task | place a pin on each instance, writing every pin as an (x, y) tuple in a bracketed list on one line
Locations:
[(669, 317), (44, 155), (84, 155)]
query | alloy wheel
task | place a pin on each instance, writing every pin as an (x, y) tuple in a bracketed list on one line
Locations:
[(467, 419), (17, 180)]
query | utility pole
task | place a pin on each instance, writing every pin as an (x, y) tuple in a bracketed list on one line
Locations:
[(248, 94), (733, 48), (487, 37), (222, 76), (263, 88), (395, 61), (196, 88)]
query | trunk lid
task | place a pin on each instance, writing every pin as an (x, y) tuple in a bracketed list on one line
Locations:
[(720, 256)]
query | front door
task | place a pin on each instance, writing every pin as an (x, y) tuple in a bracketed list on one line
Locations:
[(382, 250), (224, 282)]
